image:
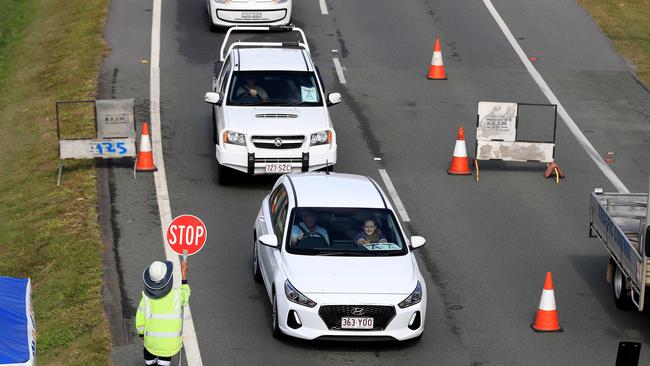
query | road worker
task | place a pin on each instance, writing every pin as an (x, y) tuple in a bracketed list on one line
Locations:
[(159, 317)]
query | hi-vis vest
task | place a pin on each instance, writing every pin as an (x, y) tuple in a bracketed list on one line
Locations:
[(160, 320)]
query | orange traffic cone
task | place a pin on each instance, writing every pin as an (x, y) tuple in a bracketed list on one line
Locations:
[(145, 155), (546, 319), (437, 69), (459, 162)]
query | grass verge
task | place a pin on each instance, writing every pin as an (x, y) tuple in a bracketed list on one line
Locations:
[(49, 50), (627, 24)]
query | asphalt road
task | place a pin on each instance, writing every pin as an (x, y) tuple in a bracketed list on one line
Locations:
[(489, 243)]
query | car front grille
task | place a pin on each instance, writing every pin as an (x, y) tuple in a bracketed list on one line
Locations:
[(278, 142), (332, 314)]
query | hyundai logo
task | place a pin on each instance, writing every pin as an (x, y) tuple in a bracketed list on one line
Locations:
[(358, 311), (277, 142)]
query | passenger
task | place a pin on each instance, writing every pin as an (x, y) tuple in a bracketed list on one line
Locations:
[(306, 227), (251, 89), (370, 233)]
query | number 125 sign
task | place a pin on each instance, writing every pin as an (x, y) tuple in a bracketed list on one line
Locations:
[(186, 232)]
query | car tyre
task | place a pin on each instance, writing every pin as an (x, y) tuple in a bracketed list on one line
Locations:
[(225, 175), (275, 326), (620, 291), (215, 138), (257, 274)]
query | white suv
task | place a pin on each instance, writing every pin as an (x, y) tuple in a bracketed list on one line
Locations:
[(269, 111), (335, 262), (226, 13)]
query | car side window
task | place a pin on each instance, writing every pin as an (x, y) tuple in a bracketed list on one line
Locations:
[(278, 205)]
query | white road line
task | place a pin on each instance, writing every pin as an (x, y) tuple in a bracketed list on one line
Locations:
[(393, 194), (339, 70), (568, 121), (323, 7), (190, 343)]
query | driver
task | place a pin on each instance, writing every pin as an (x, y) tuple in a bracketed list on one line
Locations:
[(250, 88), (307, 226)]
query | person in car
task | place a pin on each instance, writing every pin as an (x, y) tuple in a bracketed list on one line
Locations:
[(250, 88), (370, 233), (306, 227)]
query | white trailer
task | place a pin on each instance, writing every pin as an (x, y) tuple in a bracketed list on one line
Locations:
[(620, 221)]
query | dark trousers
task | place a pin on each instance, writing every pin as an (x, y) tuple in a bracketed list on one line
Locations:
[(150, 359)]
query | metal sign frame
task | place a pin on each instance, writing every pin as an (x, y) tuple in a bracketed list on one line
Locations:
[(98, 146), (516, 142)]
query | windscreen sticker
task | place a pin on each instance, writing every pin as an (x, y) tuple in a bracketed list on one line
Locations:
[(382, 246), (308, 94)]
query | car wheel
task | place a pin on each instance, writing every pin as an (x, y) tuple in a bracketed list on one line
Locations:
[(275, 327), (225, 175), (215, 138), (329, 168), (620, 291), (257, 274)]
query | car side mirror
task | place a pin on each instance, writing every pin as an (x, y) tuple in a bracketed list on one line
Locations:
[(417, 241), (333, 98), (212, 97), (269, 240)]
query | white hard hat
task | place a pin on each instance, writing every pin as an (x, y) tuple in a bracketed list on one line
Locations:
[(157, 271)]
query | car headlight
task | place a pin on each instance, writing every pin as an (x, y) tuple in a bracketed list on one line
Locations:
[(321, 138), (235, 138), (295, 296), (414, 298)]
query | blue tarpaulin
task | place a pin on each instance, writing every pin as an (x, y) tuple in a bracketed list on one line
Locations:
[(15, 322)]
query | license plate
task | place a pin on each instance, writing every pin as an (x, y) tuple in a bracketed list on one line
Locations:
[(357, 323), (278, 168), (248, 15)]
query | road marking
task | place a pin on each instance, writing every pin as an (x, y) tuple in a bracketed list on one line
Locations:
[(339, 70), (190, 343), (323, 7), (568, 121), (393, 194)]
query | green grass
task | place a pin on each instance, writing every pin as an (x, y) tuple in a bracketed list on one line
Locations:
[(13, 17), (50, 50), (627, 24)]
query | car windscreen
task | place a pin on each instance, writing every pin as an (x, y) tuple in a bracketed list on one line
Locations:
[(274, 88), (344, 232)]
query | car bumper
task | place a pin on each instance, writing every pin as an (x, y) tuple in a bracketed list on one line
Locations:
[(253, 14), (313, 326), (254, 162)]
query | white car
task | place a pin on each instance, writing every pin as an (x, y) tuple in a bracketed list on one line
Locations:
[(335, 262), (269, 112), (226, 13)]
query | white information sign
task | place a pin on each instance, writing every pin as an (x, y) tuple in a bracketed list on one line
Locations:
[(97, 148), (115, 118), (497, 121)]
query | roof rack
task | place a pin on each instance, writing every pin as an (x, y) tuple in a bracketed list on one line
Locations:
[(283, 28)]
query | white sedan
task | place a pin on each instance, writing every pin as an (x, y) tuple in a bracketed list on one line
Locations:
[(226, 13), (335, 261)]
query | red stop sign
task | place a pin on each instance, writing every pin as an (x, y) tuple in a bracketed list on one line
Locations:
[(186, 232)]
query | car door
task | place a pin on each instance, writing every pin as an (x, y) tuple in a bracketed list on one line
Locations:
[(220, 84), (277, 208)]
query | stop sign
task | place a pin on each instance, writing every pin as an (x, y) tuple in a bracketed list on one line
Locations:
[(186, 232)]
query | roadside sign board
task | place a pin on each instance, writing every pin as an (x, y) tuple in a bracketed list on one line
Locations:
[(497, 121), (115, 118), (186, 233), (97, 148)]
